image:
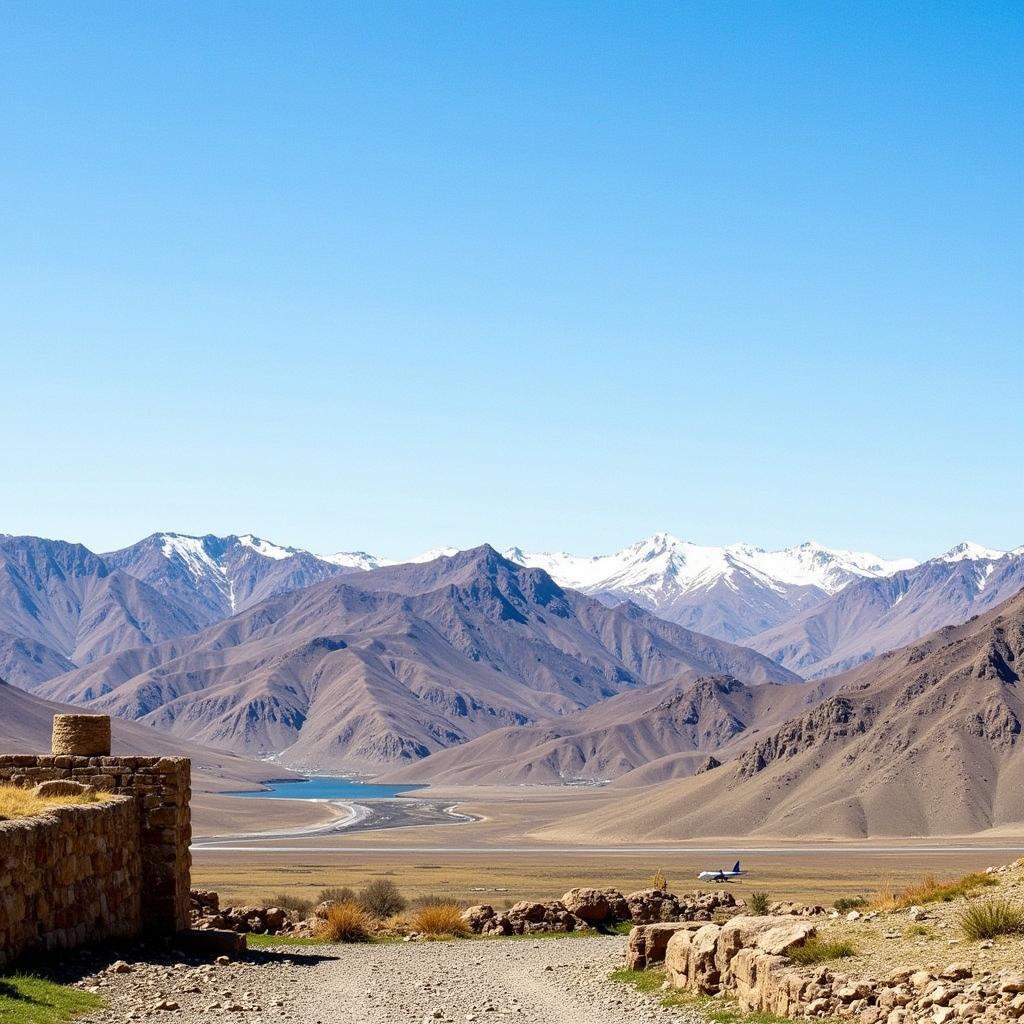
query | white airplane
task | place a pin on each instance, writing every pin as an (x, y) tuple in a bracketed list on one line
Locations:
[(721, 876)]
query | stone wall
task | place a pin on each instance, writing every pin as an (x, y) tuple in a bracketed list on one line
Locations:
[(68, 876), (160, 792), (747, 959)]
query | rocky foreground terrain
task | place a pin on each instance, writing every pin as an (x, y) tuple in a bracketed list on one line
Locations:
[(544, 981)]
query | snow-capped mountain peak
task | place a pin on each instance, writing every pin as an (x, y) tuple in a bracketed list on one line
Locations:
[(355, 560), (731, 591), (969, 550)]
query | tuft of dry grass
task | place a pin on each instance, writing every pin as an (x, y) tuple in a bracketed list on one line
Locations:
[(817, 950), (659, 881), (991, 918), (440, 919), (758, 902), (346, 922), (20, 803), (931, 890)]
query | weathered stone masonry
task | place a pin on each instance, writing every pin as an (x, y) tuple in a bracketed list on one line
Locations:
[(71, 875), (156, 819)]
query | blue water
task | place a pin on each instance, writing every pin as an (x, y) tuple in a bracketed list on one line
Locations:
[(324, 787)]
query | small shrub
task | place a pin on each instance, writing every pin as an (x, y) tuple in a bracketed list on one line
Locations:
[(918, 931), (431, 900), (382, 898), (296, 906), (507, 903), (758, 903), (847, 903), (440, 919), (991, 918), (346, 922), (337, 895), (817, 950), (659, 881)]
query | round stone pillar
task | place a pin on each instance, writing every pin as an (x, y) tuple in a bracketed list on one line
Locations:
[(81, 735)]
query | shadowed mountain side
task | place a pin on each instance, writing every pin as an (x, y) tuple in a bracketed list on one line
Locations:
[(670, 729), (923, 741), (871, 616), (26, 722), (398, 662)]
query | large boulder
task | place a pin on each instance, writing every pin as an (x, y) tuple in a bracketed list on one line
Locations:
[(703, 961), (648, 942), (649, 905), (590, 905), (62, 787), (617, 904)]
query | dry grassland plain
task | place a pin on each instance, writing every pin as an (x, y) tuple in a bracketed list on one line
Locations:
[(495, 859)]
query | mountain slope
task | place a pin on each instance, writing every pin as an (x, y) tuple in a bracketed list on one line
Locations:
[(215, 577), (26, 722), (872, 616), (923, 741), (61, 605), (390, 665), (730, 592), (664, 731)]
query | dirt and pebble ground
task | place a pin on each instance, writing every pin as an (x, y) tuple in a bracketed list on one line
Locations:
[(544, 981)]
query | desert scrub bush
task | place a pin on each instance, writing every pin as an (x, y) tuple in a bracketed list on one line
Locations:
[(16, 802), (918, 931), (296, 906), (336, 894), (440, 919), (988, 919), (658, 880), (818, 950), (345, 922), (431, 900), (382, 898), (847, 903), (758, 903)]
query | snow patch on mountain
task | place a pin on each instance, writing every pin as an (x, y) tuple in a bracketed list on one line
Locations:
[(969, 550), (664, 562)]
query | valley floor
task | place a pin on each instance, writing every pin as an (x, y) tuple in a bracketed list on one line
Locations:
[(496, 858)]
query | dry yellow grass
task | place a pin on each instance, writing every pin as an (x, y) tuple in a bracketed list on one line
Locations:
[(440, 919), (931, 890), (20, 803), (346, 922)]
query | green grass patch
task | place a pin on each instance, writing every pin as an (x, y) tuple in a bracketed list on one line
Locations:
[(643, 981), (818, 951), (25, 999)]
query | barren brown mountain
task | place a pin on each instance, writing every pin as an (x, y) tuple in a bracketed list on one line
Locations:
[(872, 616), (641, 736), (922, 741), (388, 666)]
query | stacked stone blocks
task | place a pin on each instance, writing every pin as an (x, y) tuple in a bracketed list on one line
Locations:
[(152, 818)]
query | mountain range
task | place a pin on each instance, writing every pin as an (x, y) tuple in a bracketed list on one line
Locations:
[(813, 609), (926, 740), (393, 664)]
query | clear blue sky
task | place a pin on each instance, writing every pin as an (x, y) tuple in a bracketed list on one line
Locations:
[(394, 275)]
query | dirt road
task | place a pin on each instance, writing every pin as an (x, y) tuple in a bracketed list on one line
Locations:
[(548, 981)]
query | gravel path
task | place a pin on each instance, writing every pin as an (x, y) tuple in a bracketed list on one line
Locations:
[(549, 981)]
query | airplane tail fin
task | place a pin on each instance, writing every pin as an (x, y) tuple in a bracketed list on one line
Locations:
[(736, 867)]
